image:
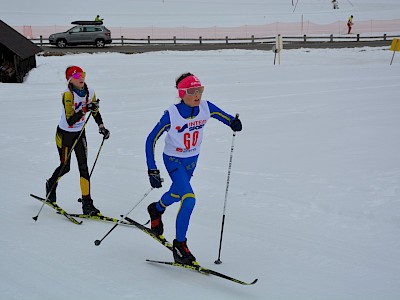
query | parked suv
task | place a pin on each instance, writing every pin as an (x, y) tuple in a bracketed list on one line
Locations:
[(97, 35)]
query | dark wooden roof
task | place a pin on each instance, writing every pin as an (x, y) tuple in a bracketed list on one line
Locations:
[(16, 42)]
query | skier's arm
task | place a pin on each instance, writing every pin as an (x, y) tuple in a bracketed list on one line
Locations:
[(233, 122), (163, 125), (219, 114), (93, 106), (96, 114)]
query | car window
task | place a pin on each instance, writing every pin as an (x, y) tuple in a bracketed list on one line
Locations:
[(98, 29), (75, 29), (90, 29)]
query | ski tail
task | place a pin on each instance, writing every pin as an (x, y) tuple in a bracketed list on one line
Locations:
[(56, 207), (159, 238)]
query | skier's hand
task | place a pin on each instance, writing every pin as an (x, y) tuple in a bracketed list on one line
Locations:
[(104, 131), (155, 179), (92, 106), (236, 124)]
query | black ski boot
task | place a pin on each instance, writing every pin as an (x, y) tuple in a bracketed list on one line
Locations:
[(53, 196), (182, 253), (156, 223), (88, 207)]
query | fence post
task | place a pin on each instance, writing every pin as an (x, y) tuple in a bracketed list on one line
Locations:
[(200, 39), (41, 40), (148, 39), (174, 39), (122, 40), (226, 39), (305, 38), (358, 37), (252, 38), (331, 38)]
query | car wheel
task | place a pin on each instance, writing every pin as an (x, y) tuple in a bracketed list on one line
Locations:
[(61, 43), (100, 43)]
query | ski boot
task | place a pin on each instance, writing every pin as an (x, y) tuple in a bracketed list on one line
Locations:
[(155, 216), (182, 253), (52, 197), (88, 207)]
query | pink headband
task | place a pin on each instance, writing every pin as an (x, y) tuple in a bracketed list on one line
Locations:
[(187, 82)]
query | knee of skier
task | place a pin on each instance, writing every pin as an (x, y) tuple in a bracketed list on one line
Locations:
[(188, 202), (83, 170), (66, 169)]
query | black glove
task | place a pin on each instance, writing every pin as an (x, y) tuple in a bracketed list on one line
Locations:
[(155, 179), (236, 124), (105, 132), (92, 106)]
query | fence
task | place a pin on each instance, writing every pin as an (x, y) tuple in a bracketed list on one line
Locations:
[(371, 27), (252, 40)]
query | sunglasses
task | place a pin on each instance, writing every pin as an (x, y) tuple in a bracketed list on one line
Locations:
[(78, 75), (192, 91)]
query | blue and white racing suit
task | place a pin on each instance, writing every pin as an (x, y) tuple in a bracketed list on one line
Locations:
[(184, 126)]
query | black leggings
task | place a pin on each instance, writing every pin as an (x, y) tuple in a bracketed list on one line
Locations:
[(65, 140)]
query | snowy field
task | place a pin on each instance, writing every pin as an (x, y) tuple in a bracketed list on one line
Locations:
[(313, 208)]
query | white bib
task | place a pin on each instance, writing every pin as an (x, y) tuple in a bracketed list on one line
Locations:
[(78, 103), (185, 136)]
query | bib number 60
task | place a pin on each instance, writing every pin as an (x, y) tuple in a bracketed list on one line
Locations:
[(190, 139)]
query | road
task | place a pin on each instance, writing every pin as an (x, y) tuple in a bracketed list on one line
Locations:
[(141, 48)]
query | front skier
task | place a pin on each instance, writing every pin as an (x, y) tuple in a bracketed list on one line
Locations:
[(184, 123)]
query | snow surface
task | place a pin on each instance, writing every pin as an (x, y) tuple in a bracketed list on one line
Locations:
[(313, 207)]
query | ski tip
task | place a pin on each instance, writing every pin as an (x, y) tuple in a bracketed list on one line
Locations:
[(254, 281)]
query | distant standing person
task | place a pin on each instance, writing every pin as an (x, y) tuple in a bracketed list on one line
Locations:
[(77, 100), (184, 123), (335, 4), (350, 24)]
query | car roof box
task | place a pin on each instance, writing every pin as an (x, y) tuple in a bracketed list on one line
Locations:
[(87, 22)]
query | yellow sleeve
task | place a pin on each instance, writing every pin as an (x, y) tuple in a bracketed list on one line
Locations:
[(68, 102), (96, 114), (94, 99)]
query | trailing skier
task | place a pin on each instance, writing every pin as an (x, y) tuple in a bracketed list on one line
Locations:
[(184, 123), (78, 99)]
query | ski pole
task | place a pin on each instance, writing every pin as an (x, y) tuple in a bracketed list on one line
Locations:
[(295, 5), (97, 157), (218, 261), (98, 152), (94, 164), (98, 242), (63, 166)]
